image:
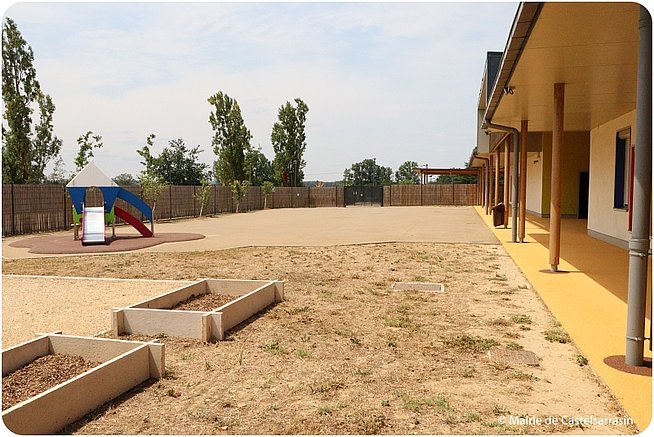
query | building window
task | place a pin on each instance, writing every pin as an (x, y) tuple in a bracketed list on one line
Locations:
[(622, 169)]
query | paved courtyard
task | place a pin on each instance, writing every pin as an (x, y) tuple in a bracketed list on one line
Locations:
[(314, 227)]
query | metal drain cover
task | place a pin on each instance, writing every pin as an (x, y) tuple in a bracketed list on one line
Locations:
[(431, 287)]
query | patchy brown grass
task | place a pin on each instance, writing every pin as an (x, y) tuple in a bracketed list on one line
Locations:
[(344, 354)]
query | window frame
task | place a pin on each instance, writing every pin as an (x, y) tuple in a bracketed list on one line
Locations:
[(623, 171)]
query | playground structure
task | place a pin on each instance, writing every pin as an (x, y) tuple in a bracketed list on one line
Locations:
[(124, 364), (94, 219)]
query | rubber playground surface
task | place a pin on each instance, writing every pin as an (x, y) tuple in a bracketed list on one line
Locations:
[(62, 243), (277, 227)]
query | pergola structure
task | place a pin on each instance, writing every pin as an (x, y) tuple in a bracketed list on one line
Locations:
[(426, 172)]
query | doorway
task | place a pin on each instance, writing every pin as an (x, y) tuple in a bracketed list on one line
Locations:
[(582, 209)]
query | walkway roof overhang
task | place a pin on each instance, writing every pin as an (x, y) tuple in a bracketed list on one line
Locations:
[(591, 47)]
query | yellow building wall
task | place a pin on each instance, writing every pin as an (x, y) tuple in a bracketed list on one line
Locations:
[(575, 157), (602, 217)]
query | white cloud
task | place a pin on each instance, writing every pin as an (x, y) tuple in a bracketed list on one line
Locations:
[(392, 81)]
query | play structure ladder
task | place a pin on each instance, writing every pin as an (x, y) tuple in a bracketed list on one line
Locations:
[(93, 225)]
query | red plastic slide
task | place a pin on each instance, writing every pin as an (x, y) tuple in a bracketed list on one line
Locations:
[(136, 223)]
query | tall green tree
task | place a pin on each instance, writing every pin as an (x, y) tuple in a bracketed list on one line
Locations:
[(289, 143), (405, 173), (231, 139), (367, 172), (26, 147), (125, 179), (87, 142), (59, 175), (456, 179), (258, 168), (176, 164)]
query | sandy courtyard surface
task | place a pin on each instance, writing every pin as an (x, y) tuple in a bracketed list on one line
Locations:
[(75, 306), (343, 354)]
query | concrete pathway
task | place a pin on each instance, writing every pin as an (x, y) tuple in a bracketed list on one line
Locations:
[(589, 300), (316, 227)]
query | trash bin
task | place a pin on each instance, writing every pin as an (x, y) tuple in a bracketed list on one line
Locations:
[(498, 215)]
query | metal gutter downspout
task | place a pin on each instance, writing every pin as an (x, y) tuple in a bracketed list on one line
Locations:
[(514, 184), (639, 244)]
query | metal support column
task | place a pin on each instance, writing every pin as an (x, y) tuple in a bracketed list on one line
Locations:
[(524, 134), (639, 243)]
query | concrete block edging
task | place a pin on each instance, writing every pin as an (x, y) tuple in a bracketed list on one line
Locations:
[(150, 317), (124, 364)]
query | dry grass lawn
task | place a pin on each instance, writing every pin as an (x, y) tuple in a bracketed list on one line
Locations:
[(345, 354)]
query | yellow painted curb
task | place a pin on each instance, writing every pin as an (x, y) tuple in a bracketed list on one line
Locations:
[(589, 300)]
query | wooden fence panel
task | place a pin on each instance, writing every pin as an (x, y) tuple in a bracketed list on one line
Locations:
[(33, 211), (282, 197), (45, 208), (321, 197), (301, 197), (224, 200), (8, 223), (430, 194)]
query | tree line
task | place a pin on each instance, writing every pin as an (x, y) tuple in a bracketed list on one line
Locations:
[(29, 144), (369, 173)]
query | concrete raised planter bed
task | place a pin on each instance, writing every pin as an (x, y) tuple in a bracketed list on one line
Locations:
[(124, 364), (151, 317)]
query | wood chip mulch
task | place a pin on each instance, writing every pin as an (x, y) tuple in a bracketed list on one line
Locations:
[(40, 375), (204, 302)]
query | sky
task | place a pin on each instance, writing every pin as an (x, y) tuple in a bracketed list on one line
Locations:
[(390, 81)]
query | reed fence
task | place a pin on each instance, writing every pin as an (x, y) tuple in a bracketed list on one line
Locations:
[(28, 209), (430, 194)]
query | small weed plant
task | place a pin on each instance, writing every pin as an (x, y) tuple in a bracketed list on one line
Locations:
[(521, 319), (556, 335), (475, 344), (274, 348)]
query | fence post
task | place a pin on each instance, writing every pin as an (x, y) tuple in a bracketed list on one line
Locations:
[(170, 201), (65, 215), (214, 199), (421, 194), (13, 212), (194, 193)]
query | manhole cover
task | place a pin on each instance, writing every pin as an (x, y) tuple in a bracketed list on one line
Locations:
[(508, 356), (431, 287)]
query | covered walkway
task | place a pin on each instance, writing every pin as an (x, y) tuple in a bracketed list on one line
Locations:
[(588, 297)]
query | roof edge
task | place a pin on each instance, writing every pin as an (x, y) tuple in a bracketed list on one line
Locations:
[(527, 12)]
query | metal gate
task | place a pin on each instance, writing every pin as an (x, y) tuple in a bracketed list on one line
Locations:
[(367, 195)]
